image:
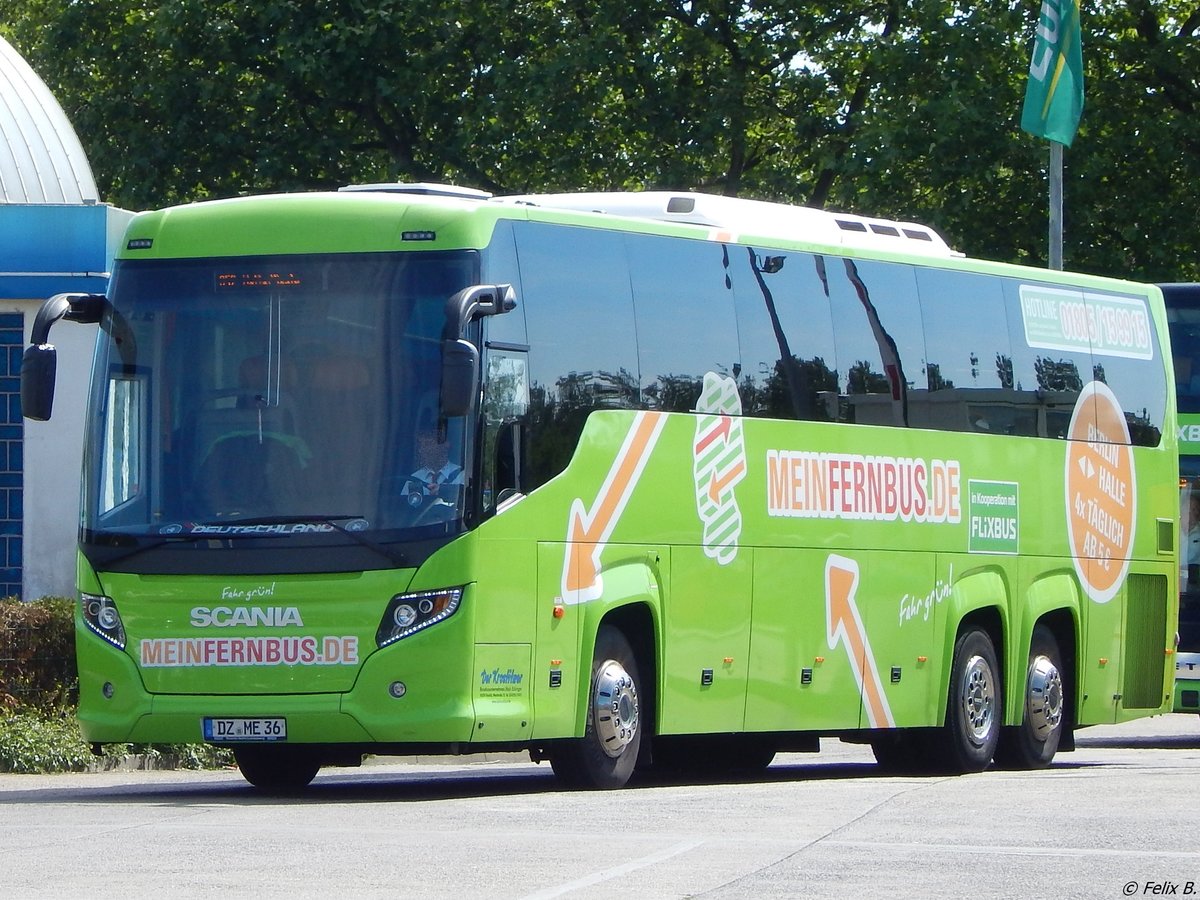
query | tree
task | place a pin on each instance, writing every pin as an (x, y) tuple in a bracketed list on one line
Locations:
[(955, 158), (899, 108)]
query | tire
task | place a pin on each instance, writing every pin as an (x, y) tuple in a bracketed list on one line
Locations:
[(286, 768), (753, 757), (604, 758), (974, 705), (1033, 743)]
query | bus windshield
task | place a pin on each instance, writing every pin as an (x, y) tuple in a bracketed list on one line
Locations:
[(278, 402), (1183, 320)]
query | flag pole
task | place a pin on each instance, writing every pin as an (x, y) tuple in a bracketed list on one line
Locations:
[(1056, 206), (1054, 99)]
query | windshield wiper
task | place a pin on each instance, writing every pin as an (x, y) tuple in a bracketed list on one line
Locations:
[(134, 546)]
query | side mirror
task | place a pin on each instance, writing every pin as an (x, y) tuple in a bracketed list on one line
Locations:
[(38, 368), (460, 377), (460, 358), (40, 362)]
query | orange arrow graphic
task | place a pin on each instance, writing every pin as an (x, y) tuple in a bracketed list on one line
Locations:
[(844, 625), (716, 487), (589, 529)]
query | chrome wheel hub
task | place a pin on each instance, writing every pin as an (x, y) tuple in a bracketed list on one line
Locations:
[(978, 700), (615, 706), (1044, 703)]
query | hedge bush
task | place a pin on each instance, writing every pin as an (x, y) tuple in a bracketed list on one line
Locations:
[(33, 743), (37, 655), (39, 689)]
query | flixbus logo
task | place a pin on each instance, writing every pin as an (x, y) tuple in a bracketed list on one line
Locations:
[(1188, 432)]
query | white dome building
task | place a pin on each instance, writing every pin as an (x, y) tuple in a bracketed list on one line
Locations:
[(41, 159), (55, 236)]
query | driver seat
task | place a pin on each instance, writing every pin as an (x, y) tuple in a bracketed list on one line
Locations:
[(246, 469)]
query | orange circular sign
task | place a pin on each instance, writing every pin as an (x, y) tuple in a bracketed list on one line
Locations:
[(1101, 492)]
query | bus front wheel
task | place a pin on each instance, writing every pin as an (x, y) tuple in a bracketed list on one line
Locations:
[(1033, 743), (606, 754), (279, 768)]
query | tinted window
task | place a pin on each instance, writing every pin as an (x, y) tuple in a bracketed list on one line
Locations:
[(1064, 338), (1131, 367), (685, 318), (877, 329), (499, 264), (788, 366), (1183, 319), (1056, 371), (579, 317), (969, 365)]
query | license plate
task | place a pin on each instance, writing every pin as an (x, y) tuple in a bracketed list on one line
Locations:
[(220, 731)]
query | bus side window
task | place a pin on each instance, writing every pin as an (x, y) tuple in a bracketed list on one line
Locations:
[(579, 317), (785, 331), (1136, 378), (124, 441), (970, 383), (505, 406), (686, 325), (880, 340), (1052, 370)]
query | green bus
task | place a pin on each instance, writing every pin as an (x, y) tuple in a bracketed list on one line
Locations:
[(1183, 321), (625, 480)]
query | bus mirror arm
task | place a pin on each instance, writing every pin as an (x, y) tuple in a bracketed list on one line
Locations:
[(475, 302), (39, 364), (460, 358)]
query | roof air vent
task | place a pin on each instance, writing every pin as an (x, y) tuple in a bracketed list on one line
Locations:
[(422, 188)]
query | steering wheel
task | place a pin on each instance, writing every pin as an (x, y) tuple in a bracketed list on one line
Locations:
[(436, 510)]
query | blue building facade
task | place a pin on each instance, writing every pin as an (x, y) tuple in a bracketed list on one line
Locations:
[(44, 250), (55, 237), (12, 450)]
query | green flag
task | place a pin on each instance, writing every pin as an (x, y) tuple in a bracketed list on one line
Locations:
[(1054, 95)]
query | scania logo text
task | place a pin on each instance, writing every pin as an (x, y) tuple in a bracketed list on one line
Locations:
[(251, 616)]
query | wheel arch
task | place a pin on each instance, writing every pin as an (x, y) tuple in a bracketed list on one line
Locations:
[(1063, 623), (979, 600), (1052, 600), (991, 620), (637, 622), (631, 605)]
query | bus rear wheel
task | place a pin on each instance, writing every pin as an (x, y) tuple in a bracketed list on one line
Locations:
[(605, 756), (973, 709), (283, 768), (1033, 743)]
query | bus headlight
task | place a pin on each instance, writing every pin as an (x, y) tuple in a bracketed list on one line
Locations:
[(101, 616), (409, 613)]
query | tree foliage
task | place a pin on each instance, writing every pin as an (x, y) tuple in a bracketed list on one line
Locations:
[(902, 108)]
